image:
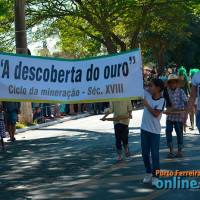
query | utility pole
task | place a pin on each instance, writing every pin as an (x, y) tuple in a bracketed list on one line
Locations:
[(21, 48)]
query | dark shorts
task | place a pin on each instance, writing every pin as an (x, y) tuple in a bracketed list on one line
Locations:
[(121, 136), (121, 129), (11, 117)]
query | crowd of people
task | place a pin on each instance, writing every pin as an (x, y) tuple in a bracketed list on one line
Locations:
[(9, 112), (43, 111), (182, 74), (176, 90)]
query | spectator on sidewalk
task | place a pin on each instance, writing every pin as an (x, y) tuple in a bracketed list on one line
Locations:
[(163, 77), (37, 116), (72, 109), (12, 111), (57, 110), (67, 109), (98, 108), (62, 111), (46, 110)]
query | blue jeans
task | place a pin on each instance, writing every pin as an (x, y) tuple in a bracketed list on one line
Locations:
[(179, 132), (198, 120), (150, 143), (90, 107)]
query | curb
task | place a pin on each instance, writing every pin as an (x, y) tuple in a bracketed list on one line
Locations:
[(52, 123)]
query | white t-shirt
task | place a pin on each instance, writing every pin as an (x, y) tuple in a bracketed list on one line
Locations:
[(149, 122), (196, 82)]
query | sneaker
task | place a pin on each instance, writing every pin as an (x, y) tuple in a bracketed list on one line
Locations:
[(154, 181), (147, 178)]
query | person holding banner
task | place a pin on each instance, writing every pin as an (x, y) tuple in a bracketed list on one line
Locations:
[(154, 105), (121, 109)]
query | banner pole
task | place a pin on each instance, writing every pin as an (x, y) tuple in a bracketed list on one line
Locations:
[(141, 64), (140, 55)]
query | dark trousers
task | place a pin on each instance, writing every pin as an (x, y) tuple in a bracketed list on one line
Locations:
[(179, 132), (150, 142), (46, 110), (121, 136), (67, 110), (98, 108)]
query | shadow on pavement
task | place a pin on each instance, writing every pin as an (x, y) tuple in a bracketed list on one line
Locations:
[(84, 167)]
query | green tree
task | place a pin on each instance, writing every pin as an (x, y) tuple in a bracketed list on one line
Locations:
[(187, 52), (115, 24), (167, 31), (89, 27), (6, 25)]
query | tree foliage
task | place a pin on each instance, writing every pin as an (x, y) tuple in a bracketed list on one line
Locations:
[(6, 25), (90, 27)]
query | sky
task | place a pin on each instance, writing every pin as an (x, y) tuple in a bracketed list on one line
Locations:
[(39, 45)]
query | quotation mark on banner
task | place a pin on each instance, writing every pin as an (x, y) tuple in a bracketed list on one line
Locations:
[(132, 59), (2, 62)]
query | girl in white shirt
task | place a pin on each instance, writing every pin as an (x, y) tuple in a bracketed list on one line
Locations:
[(154, 105)]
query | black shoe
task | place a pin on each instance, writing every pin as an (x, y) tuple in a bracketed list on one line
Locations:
[(13, 139)]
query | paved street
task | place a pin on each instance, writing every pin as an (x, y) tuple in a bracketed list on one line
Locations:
[(77, 160)]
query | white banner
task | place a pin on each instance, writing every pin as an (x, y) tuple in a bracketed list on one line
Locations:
[(40, 79)]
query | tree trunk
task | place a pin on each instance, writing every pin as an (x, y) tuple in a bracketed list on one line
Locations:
[(134, 38), (159, 55), (21, 48), (110, 46)]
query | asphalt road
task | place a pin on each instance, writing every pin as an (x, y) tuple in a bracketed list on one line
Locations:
[(77, 160)]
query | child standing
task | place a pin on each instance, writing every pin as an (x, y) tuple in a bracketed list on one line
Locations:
[(179, 101), (2, 127), (121, 108), (154, 105)]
